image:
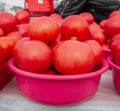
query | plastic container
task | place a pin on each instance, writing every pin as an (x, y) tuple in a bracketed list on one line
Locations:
[(107, 53), (58, 89), (115, 73), (5, 75), (39, 7)]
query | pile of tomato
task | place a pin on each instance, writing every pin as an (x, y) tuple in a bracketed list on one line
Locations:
[(73, 45)]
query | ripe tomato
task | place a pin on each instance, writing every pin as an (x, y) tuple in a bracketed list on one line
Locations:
[(7, 22), (33, 56), (74, 27), (18, 46), (114, 13), (73, 57), (97, 50), (7, 44), (22, 16), (57, 18), (112, 26), (99, 36), (44, 29), (88, 17), (93, 27), (117, 36), (15, 35), (102, 23), (114, 45)]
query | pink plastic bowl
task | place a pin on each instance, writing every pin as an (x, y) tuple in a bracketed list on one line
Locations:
[(58, 89), (115, 72), (107, 53)]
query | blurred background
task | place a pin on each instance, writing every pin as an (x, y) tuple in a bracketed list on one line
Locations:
[(13, 5)]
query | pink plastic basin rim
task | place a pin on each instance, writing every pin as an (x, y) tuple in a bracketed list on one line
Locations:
[(110, 60), (18, 71)]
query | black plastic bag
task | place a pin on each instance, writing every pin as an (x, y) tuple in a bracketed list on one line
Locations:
[(100, 9)]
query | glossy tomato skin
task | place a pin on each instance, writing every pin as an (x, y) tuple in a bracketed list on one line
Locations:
[(33, 56), (73, 57), (74, 27), (44, 29)]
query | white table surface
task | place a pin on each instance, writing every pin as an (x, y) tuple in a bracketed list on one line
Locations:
[(105, 99)]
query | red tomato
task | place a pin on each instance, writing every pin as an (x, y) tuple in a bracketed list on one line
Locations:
[(74, 27), (7, 22), (102, 23), (88, 17), (114, 45), (99, 36), (117, 36), (44, 29), (93, 27), (23, 29), (22, 16), (15, 35), (18, 45), (8, 45), (73, 57), (34, 56), (114, 13), (57, 18), (112, 26), (97, 50)]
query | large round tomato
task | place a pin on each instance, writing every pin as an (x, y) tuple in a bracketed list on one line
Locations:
[(73, 57), (44, 29), (7, 22), (33, 56), (74, 27)]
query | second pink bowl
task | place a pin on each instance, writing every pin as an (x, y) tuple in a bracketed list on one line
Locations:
[(58, 89), (115, 72)]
